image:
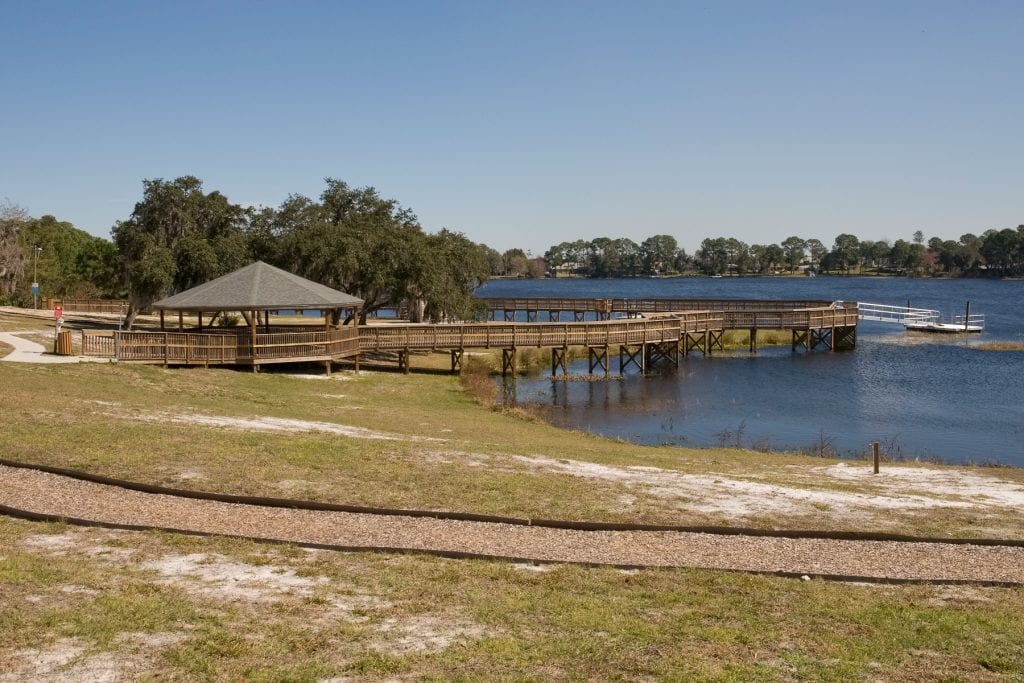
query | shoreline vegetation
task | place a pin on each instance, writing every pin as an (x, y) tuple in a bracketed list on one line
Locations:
[(1001, 346), (82, 601)]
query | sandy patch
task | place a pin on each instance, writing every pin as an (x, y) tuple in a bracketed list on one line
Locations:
[(64, 661), (67, 661), (534, 568), (424, 633), (965, 484), (738, 497), (80, 541), (335, 377), (447, 457), (947, 595), (270, 424), (217, 576)]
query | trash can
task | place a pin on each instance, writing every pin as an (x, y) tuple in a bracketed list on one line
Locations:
[(64, 344)]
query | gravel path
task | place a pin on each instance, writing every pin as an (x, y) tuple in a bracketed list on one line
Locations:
[(56, 495)]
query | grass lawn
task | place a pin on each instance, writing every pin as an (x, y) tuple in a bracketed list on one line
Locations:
[(86, 601), (77, 603)]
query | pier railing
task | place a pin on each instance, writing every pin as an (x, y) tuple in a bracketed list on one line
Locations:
[(512, 335), (736, 313)]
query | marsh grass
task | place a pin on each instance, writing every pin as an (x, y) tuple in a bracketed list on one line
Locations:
[(1001, 346), (740, 339)]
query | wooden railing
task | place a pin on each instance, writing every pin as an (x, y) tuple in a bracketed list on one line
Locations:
[(221, 347), (645, 305), (89, 305), (512, 335), (811, 318), (737, 313)]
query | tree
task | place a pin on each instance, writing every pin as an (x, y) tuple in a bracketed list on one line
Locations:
[(12, 261), (73, 263), (713, 256), (793, 249), (352, 240), (817, 251), (178, 237), (658, 254), (515, 263), (373, 248), (450, 269), (845, 251)]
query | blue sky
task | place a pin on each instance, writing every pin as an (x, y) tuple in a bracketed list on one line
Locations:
[(530, 123)]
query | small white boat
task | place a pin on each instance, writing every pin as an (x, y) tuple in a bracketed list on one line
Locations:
[(947, 328)]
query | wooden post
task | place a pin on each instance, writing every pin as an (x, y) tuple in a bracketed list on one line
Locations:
[(253, 322), (181, 321), (874, 456), (161, 319), (200, 314), (967, 316)]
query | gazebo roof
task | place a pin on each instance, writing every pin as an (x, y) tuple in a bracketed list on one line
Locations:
[(258, 287)]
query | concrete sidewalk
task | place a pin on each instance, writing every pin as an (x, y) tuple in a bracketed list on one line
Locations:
[(26, 351)]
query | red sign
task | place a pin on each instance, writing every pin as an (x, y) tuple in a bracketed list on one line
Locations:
[(58, 311)]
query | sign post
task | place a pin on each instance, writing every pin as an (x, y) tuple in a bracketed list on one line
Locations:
[(58, 312)]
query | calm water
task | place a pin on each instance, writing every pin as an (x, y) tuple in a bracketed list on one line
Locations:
[(920, 395)]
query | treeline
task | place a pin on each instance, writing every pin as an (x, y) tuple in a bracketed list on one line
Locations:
[(64, 260), (997, 253), (179, 236)]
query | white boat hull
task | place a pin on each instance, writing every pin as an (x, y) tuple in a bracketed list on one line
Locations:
[(948, 328)]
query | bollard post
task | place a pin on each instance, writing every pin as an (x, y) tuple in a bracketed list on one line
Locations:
[(874, 455)]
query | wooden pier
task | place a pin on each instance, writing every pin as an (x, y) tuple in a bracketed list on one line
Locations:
[(650, 332), (813, 323)]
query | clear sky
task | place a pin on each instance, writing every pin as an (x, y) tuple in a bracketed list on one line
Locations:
[(530, 123)]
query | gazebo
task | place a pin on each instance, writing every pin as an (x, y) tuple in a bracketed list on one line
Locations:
[(254, 291)]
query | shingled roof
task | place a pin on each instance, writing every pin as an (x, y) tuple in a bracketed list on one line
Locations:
[(258, 287)]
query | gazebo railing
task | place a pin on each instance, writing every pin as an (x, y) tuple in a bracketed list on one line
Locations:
[(221, 347)]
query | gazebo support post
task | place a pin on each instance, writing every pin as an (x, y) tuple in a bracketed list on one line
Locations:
[(253, 322), (200, 314), (181, 321), (161, 319)]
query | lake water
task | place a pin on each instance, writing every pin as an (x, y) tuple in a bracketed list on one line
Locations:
[(921, 396)]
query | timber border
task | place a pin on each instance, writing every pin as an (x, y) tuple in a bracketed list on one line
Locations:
[(643, 332)]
